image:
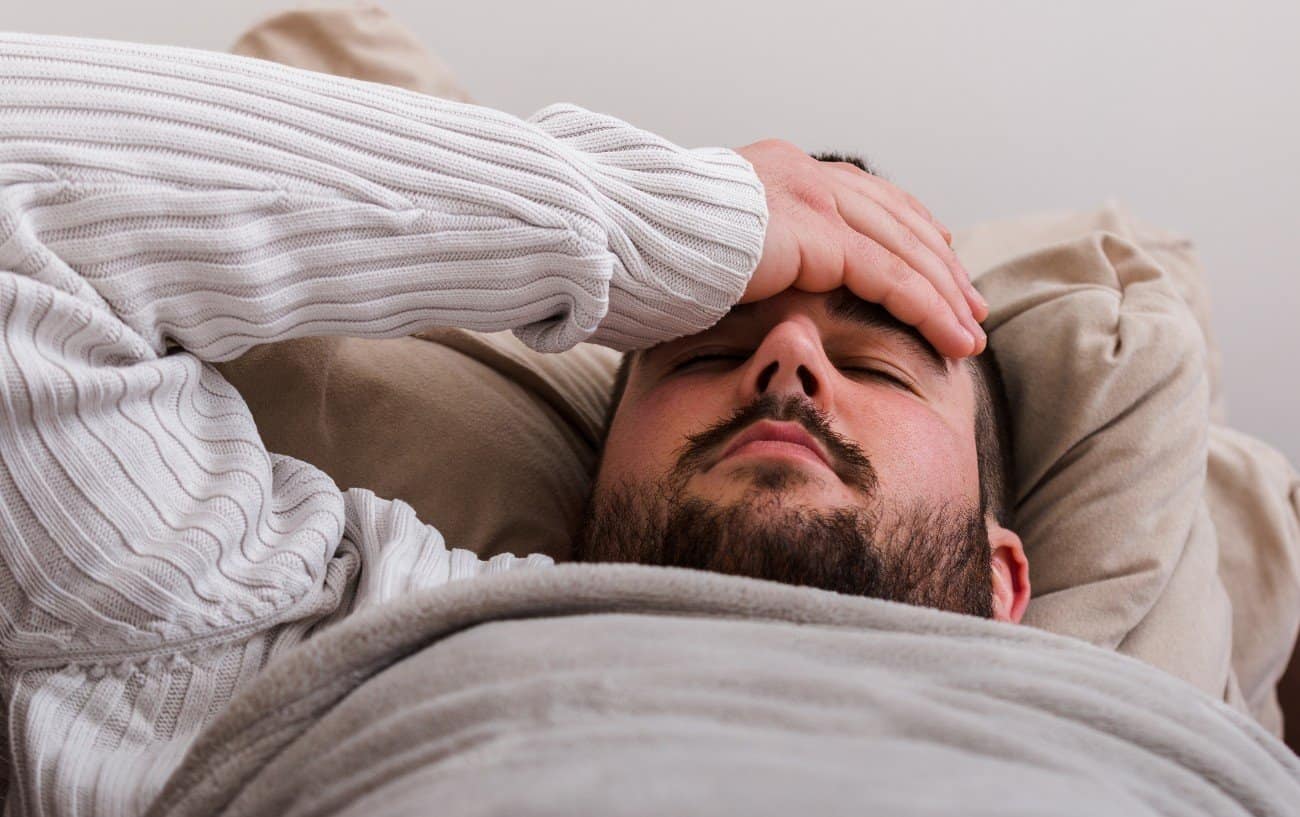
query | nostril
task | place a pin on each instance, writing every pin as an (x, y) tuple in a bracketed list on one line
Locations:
[(807, 380)]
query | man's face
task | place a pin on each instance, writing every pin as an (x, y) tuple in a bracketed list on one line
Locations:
[(884, 394), (894, 503)]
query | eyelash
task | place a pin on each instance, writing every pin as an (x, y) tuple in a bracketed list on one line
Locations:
[(711, 356)]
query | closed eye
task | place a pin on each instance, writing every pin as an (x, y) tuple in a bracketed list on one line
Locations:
[(700, 358), (880, 373), (864, 370)]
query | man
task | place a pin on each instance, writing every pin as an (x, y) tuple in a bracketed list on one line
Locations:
[(162, 209), (816, 440)]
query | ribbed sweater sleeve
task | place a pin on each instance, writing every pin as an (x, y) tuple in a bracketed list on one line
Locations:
[(164, 208), (154, 197), (215, 202)]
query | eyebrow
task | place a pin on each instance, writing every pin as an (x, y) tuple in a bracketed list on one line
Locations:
[(845, 306)]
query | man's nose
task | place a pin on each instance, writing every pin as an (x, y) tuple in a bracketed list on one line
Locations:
[(789, 361), (790, 378)]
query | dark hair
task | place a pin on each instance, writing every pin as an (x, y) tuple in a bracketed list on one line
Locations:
[(992, 411), (993, 437)]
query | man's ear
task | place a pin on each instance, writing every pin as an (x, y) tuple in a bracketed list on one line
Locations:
[(1010, 573)]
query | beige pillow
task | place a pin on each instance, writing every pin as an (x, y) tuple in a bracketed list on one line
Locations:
[(361, 40), (489, 441), (1105, 373), (1254, 498), (986, 245), (1252, 492), (1109, 384)]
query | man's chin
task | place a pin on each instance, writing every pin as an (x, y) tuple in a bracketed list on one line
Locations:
[(926, 556), (763, 511), (766, 485)]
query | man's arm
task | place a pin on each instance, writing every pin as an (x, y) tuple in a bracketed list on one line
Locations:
[(155, 197), (216, 202)]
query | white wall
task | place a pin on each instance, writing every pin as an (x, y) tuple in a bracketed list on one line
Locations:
[(1187, 111)]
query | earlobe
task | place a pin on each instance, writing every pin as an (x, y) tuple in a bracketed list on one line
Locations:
[(1010, 574)]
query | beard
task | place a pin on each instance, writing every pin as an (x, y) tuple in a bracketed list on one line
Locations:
[(930, 555)]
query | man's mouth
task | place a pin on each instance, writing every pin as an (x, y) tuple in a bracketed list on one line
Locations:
[(768, 436)]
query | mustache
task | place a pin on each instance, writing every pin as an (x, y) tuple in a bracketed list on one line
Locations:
[(847, 459)]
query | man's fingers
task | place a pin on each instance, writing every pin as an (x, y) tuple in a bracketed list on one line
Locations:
[(830, 227), (875, 274), (893, 191), (927, 232), (904, 207), (871, 219), (939, 244), (925, 211), (978, 305)]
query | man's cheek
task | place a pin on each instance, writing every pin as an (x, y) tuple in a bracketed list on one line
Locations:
[(659, 426), (923, 461), (677, 404)]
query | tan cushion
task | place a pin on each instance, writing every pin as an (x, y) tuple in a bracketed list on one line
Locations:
[(1254, 498), (986, 245), (362, 41), (1105, 374), (489, 441), (1252, 493), (1111, 375)]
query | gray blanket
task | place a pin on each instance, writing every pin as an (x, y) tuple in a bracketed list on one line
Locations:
[(633, 690)]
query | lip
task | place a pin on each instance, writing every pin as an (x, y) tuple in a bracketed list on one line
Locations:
[(768, 430)]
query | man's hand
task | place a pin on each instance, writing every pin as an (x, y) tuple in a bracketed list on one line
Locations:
[(830, 224)]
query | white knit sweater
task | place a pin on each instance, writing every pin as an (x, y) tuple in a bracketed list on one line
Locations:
[(162, 208)]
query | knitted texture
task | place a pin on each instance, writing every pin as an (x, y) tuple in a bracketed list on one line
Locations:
[(164, 208)]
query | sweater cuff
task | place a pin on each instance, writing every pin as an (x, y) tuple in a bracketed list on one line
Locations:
[(685, 227)]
